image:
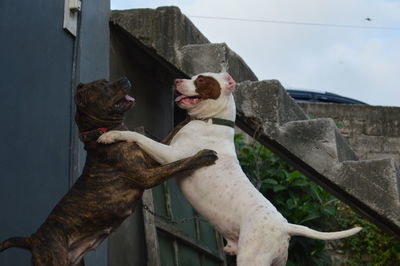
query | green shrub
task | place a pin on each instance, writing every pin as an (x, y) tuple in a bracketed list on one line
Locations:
[(301, 201), (371, 246)]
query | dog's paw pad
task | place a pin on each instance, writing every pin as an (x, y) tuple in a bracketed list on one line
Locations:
[(206, 157), (107, 138)]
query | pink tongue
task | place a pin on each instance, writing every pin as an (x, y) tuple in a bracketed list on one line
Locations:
[(129, 98), (180, 98)]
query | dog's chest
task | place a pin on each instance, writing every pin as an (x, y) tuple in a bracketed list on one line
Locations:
[(198, 135), (217, 191)]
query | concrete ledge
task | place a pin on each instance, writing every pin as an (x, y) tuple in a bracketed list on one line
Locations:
[(317, 142), (267, 102), (375, 183), (164, 29), (212, 57), (372, 131), (173, 36)]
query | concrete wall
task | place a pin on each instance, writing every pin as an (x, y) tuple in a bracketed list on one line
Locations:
[(372, 131)]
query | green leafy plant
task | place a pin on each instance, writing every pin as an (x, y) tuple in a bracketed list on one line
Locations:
[(294, 195), (371, 246)]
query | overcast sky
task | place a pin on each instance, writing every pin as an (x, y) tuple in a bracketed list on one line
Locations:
[(359, 63)]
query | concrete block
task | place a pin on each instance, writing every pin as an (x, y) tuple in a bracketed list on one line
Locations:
[(164, 29), (174, 37), (372, 131), (317, 142), (200, 58), (374, 182), (267, 102)]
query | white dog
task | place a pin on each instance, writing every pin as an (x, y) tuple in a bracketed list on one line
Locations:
[(255, 231)]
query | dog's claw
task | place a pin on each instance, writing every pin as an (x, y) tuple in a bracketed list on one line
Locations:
[(206, 157), (107, 138)]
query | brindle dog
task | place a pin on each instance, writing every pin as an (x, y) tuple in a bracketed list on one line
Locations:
[(111, 185)]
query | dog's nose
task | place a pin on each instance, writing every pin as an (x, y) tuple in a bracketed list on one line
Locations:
[(177, 82), (123, 82)]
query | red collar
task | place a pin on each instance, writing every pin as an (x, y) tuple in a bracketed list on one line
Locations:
[(96, 133)]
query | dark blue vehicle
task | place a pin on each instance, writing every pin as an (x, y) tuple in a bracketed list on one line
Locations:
[(327, 97)]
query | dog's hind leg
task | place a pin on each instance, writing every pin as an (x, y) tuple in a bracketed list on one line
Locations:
[(252, 252), (80, 263), (257, 250), (281, 261), (262, 242), (50, 253), (253, 256)]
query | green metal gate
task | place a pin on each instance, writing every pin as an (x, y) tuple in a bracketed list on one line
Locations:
[(174, 236)]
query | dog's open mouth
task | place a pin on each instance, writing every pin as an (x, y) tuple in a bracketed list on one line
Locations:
[(123, 104), (184, 99)]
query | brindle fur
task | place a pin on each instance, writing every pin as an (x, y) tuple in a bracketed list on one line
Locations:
[(109, 189)]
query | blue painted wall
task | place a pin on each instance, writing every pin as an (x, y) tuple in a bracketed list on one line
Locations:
[(40, 154)]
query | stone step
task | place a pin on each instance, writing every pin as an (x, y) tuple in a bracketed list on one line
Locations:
[(317, 142), (164, 30), (214, 57), (172, 35), (268, 103), (374, 182), (283, 119)]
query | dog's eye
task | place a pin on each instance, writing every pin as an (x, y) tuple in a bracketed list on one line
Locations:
[(106, 91)]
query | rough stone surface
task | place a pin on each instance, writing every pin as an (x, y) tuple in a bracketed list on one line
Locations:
[(317, 142), (173, 36), (267, 102), (164, 29), (373, 181), (212, 57), (372, 131)]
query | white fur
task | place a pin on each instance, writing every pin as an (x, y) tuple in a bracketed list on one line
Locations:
[(222, 193)]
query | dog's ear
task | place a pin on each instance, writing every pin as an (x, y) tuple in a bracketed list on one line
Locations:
[(231, 83), (81, 96)]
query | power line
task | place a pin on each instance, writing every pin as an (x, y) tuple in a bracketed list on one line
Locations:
[(299, 23)]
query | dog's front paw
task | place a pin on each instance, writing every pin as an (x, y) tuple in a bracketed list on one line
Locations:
[(206, 157), (110, 137)]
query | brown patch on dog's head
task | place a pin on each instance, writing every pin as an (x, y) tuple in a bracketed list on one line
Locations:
[(101, 103), (207, 87), (201, 88)]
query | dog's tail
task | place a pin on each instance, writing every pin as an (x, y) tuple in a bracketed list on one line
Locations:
[(299, 230), (19, 242)]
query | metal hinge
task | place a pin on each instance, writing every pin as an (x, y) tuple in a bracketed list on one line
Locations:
[(71, 15)]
